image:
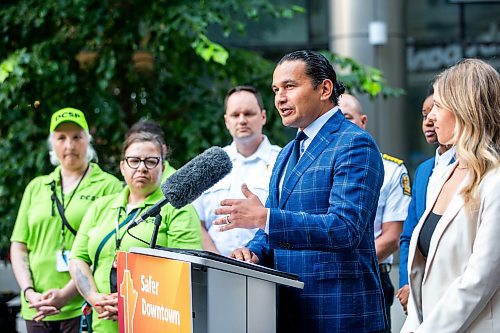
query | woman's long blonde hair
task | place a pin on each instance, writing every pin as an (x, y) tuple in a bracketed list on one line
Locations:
[(471, 91)]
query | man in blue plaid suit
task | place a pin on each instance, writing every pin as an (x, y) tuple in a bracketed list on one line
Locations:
[(318, 219)]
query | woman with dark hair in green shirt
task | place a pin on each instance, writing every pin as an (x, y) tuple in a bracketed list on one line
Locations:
[(104, 228)]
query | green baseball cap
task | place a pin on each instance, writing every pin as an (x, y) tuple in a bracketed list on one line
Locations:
[(68, 115)]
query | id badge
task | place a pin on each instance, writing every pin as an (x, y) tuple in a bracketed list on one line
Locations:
[(62, 262)]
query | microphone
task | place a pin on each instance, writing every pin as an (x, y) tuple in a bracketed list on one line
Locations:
[(190, 181), (197, 176), (153, 211)]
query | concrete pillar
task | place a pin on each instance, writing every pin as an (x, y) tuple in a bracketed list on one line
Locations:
[(349, 36)]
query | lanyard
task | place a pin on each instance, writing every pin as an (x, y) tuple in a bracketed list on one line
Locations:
[(76, 188), (110, 234), (118, 225), (61, 208)]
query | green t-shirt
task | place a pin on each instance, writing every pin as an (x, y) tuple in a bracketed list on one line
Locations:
[(180, 228), (38, 225)]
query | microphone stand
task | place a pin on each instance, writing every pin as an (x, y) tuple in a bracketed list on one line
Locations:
[(152, 244)]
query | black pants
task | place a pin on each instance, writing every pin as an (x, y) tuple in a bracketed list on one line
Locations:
[(388, 289), (57, 326)]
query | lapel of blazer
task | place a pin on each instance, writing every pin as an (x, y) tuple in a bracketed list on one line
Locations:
[(421, 182), (454, 207), (425, 175), (315, 148), (433, 200), (418, 266), (274, 182), (416, 261)]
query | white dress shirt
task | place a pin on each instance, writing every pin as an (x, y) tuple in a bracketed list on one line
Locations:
[(255, 171), (441, 165)]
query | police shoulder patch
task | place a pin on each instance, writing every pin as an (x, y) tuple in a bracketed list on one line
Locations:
[(405, 184), (392, 159)]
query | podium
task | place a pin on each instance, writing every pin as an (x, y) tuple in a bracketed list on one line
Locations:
[(175, 290)]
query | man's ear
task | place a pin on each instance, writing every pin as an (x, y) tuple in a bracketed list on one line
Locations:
[(364, 120), (264, 116), (225, 121), (326, 89)]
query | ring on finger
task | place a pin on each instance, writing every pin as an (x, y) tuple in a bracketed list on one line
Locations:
[(227, 220)]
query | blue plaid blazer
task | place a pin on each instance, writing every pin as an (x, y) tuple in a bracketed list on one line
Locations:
[(321, 228)]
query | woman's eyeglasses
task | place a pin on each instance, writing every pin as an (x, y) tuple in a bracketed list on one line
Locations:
[(149, 162)]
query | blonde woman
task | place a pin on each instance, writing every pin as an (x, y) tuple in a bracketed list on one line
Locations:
[(454, 256)]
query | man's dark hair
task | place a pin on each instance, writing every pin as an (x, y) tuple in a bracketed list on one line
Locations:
[(250, 89), (318, 68)]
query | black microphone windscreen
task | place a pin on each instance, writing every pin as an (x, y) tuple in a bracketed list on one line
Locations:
[(196, 176)]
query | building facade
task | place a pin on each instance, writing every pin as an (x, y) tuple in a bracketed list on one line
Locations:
[(410, 41)]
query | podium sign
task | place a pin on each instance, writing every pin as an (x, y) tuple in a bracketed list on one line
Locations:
[(154, 294), (228, 295)]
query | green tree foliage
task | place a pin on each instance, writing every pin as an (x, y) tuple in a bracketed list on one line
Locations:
[(120, 61)]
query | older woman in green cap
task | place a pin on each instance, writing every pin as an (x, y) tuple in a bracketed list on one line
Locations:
[(49, 216)]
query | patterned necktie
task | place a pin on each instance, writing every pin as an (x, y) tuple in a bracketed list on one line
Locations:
[(295, 155)]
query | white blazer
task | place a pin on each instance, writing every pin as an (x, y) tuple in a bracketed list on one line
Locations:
[(456, 288)]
